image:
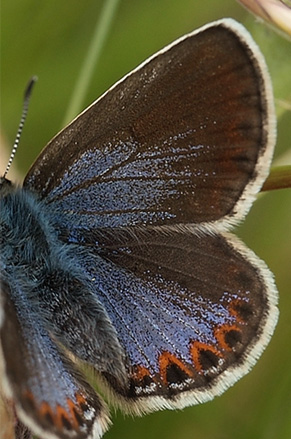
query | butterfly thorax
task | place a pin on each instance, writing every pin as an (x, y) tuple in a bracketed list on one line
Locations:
[(25, 231)]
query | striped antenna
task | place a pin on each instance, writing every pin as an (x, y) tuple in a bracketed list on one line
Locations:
[(27, 96)]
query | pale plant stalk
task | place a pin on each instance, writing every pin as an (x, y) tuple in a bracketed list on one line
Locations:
[(275, 12), (98, 40)]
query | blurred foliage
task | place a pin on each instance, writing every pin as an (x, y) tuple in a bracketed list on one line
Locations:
[(50, 39)]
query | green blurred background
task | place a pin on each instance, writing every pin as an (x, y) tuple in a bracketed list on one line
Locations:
[(50, 39)]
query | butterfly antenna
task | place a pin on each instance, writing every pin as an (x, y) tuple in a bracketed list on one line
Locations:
[(26, 100)]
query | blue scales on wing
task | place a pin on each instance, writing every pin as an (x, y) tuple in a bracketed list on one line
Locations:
[(140, 184), (152, 149), (183, 308), (51, 396)]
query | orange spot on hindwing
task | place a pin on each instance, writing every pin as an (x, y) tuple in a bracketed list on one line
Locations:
[(141, 376), (228, 336), (204, 356), (172, 369), (61, 418), (241, 310)]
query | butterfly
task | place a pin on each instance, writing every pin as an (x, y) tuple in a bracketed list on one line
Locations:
[(116, 251)]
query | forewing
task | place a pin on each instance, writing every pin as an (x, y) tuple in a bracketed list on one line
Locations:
[(185, 138), (192, 313), (50, 396)]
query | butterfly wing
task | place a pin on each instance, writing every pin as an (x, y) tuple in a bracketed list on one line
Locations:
[(192, 312), (186, 138), (193, 123), (50, 396)]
